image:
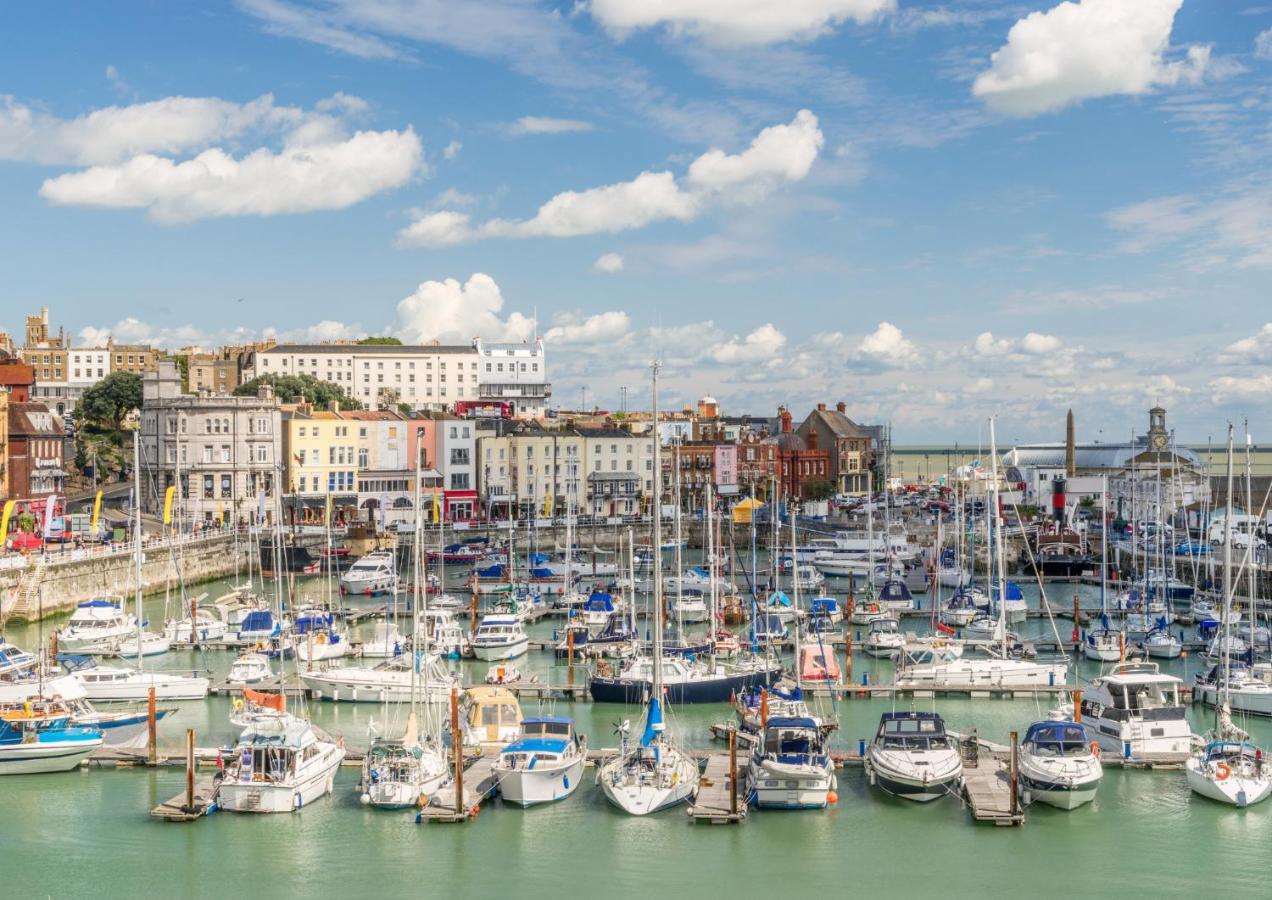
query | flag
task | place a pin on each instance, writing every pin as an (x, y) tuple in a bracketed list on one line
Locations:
[(437, 508), (167, 505), (260, 506), (97, 511), (48, 514), (4, 520), (547, 502), (327, 511)]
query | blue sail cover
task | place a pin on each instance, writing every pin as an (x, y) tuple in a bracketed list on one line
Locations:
[(779, 599), (1012, 592), (653, 719), (258, 620), (539, 558), (495, 571), (599, 602)]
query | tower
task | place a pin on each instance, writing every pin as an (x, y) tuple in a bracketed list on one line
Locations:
[(1158, 437), (1070, 448)]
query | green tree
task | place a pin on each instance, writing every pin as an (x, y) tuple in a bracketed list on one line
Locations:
[(819, 490), (386, 341), (297, 388), (106, 404)]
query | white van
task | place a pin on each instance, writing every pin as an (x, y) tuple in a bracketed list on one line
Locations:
[(1245, 529)]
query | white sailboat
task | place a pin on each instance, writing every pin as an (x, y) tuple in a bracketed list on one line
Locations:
[(654, 773)]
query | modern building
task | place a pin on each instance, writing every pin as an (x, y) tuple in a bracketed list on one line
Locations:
[(224, 453), (516, 374), (850, 447)]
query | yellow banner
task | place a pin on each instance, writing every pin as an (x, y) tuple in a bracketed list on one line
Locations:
[(4, 521), (437, 508), (167, 505), (327, 514), (97, 511), (547, 501)]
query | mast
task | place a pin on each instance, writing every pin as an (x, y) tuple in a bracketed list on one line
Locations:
[(1104, 546), (711, 572), (418, 594), (658, 585), (137, 542), (795, 585), (1250, 566), (999, 568), (1227, 586)]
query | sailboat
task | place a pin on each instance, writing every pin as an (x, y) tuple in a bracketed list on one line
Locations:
[(1229, 768), (1104, 644), (654, 773)]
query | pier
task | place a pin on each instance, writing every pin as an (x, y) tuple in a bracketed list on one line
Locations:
[(479, 783), (721, 795)]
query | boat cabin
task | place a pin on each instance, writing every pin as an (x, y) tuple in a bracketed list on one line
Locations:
[(818, 664), (492, 715), (792, 740), (271, 749), (1057, 739), (912, 731)]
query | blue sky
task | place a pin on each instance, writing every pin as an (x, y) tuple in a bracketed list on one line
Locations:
[(933, 211)]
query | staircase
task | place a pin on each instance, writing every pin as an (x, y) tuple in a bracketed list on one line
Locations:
[(23, 603)]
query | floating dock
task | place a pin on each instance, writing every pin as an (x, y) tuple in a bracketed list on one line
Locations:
[(480, 784), (180, 809), (721, 795)]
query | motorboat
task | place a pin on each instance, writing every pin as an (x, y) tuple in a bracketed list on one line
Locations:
[(388, 681), (596, 610), (15, 662), (371, 576), (445, 635), (791, 767), (250, 669), (122, 683), (385, 641), (97, 626), (1059, 764), (884, 638), (981, 674), (145, 643), (912, 757), (825, 613), (1135, 711), (31, 745), (500, 636), (278, 764), (808, 577), (205, 628), (690, 607), (544, 764), (490, 718)]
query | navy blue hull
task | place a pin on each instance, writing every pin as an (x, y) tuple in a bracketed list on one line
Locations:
[(710, 690)]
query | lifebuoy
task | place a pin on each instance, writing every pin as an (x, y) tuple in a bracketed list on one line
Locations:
[(321, 637), (1222, 771)]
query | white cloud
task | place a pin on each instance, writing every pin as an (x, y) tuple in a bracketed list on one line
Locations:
[(450, 311), (1255, 349), (985, 345), (1091, 48), (114, 133), (757, 346), (1263, 44), (609, 263), (302, 177), (1235, 227), (1039, 344), (602, 328), (780, 154), (737, 22), (1231, 387), (326, 330), (451, 150), (547, 125), (888, 346)]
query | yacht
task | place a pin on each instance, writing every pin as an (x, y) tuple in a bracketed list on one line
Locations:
[(146, 643), (1247, 694), (279, 764), (1134, 710), (791, 766), (500, 637), (1059, 764), (490, 718), (1161, 644), (1015, 608), (371, 576), (97, 626), (315, 636), (386, 682), (385, 641), (544, 764), (683, 681), (896, 597), (884, 638), (249, 669), (912, 757), (399, 773), (1230, 771), (959, 610), (116, 683), (1104, 644), (206, 627), (32, 745), (780, 606), (652, 775)]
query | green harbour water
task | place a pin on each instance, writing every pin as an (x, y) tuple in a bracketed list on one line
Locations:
[(88, 833)]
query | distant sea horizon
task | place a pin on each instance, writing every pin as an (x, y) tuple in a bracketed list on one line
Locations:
[(916, 458)]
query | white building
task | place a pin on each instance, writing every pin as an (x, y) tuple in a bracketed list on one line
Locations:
[(516, 374)]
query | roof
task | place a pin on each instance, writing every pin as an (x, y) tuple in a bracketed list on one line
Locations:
[(21, 423), (548, 720), (536, 744), (1090, 455), (837, 422), (792, 722), (387, 349)]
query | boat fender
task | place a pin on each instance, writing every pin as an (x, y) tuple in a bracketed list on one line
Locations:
[(321, 638), (1095, 749), (1222, 771), (297, 800), (238, 704), (365, 798)]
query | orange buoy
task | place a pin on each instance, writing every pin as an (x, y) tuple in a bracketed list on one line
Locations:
[(832, 797)]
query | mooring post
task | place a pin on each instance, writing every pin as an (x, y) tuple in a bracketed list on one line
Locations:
[(457, 742), (152, 729), (1015, 774), (733, 771), (190, 768)]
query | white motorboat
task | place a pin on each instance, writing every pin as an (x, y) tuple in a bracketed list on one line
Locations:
[(1134, 710), (500, 637), (445, 635), (791, 767), (884, 638), (119, 683), (97, 626), (371, 576), (912, 757), (279, 764), (545, 764), (386, 641), (31, 745), (690, 608), (206, 627), (385, 682), (147, 643), (250, 669), (1059, 765)]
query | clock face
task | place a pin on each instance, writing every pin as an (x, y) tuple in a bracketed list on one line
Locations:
[(1159, 441)]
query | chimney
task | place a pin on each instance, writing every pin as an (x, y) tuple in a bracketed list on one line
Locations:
[(785, 415), (841, 406), (333, 406), (1070, 450), (821, 407)]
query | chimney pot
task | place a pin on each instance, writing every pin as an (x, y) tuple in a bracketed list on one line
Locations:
[(841, 406), (821, 407)]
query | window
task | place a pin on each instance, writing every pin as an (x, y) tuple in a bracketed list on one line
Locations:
[(207, 454), (301, 431), (363, 458), (300, 456), (207, 487), (227, 486), (459, 481)]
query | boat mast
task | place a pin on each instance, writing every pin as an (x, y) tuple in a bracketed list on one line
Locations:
[(1227, 589), (1249, 562), (418, 593), (711, 571), (137, 542), (658, 585), (1104, 547), (795, 584), (999, 567)]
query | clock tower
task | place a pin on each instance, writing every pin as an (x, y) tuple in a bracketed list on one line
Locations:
[(1158, 437)]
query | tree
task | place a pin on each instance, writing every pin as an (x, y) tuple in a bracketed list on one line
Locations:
[(106, 404), (386, 341), (298, 388), (819, 490)]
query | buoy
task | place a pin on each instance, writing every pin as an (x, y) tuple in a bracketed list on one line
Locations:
[(365, 798), (832, 797)]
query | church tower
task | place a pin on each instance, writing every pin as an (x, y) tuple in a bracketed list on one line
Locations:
[(1158, 437)]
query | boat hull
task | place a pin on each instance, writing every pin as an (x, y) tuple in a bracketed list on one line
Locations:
[(530, 787), (43, 757), (258, 797), (1234, 791), (706, 690), (502, 651), (788, 787), (1060, 794)]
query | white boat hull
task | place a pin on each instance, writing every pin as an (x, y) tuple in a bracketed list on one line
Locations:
[(1234, 790), (138, 688), (260, 797), (329, 685), (641, 797), (40, 757), (502, 651), (542, 784), (777, 786)]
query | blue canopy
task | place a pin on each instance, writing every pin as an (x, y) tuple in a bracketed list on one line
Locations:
[(779, 598), (539, 557), (258, 620), (541, 572), (495, 571), (1056, 733), (792, 722), (537, 745), (100, 604), (1013, 591), (825, 605), (599, 602)]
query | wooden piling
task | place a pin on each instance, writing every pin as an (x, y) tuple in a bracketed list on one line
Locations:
[(190, 768), (152, 738), (569, 648), (1077, 705), (763, 709), (1015, 776), (472, 612), (733, 771), (848, 649), (457, 743)]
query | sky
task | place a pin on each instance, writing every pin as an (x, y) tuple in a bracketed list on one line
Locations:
[(935, 212)]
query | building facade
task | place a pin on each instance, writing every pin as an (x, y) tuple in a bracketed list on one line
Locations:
[(138, 359), (223, 453), (850, 447), (803, 466), (516, 374), (618, 471), (35, 442)]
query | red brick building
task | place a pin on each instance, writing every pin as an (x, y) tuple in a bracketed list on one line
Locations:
[(801, 463), (757, 463), (35, 463)]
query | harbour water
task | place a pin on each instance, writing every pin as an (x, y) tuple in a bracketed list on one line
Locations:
[(66, 835)]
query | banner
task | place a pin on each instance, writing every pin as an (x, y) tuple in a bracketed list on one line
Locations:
[(97, 511), (4, 521), (48, 514), (167, 505), (437, 508), (547, 502), (260, 507)]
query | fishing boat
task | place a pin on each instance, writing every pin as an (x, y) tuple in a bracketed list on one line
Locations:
[(912, 757), (791, 767), (545, 764), (1135, 711), (500, 636), (279, 763), (97, 626), (884, 638), (1059, 765), (372, 575), (31, 745)]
